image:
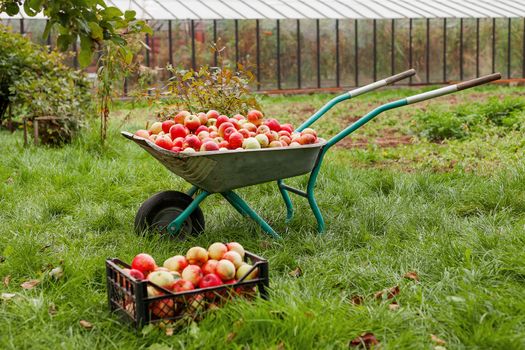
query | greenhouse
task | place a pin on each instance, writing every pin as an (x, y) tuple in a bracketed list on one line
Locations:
[(331, 43)]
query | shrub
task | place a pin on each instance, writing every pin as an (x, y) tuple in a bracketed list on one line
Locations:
[(35, 82)]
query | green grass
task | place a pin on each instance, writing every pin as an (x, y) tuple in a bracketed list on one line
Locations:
[(452, 211)]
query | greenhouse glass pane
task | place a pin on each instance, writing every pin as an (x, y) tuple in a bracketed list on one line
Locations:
[(327, 52), (347, 52), (308, 54), (288, 53)]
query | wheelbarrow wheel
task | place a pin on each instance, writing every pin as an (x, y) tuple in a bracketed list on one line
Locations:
[(156, 213)]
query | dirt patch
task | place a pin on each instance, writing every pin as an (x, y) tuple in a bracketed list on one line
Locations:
[(387, 138)]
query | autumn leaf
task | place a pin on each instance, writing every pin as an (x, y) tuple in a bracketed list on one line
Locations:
[(85, 324), (52, 309), (30, 284), (411, 275), (296, 273), (280, 346), (389, 292), (394, 306), (7, 279), (169, 331), (365, 340), (230, 337), (357, 300), (436, 340), (7, 296)]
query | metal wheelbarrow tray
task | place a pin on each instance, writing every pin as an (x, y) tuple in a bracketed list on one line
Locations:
[(221, 172)]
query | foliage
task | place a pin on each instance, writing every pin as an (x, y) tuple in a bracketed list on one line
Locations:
[(220, 88), (91, 21), (438, 123), (36, 82)]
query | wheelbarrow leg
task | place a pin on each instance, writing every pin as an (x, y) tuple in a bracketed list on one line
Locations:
[(192, 191), (176, 224), (287, 201), (235, 205), (233, 197), (310, 194)]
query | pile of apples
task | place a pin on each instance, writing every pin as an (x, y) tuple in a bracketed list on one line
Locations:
[(199, 268), (211, 131)]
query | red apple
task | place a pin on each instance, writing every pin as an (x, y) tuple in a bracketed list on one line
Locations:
[(166, 125), (239, 117), (202, 118), (142, 133), (236, 247), (192, 122), (144, 263), (201, 128), (212, 114), (275, 144), (214, 134), (284, 133), (224, 144), (309, 131), (223, 127), (136, 274), (178, 130), (255, 117), (245, 133), (163, 308), (164, 142), (285, 139), (176, 263), (176, 149), (192, 141), (249, 127), (155, 128), (235, 123), (225, 270), (263, 129), (203, 135), (234, 257), (209, 146), (211, 122), (210, 266), (221, 119), (182, 286), (263, 140), (197, 256), (179, 118), (210, 280), (235, 140), (192, 273), (228, 132), (273, 124), (287, 127), (307, 139)]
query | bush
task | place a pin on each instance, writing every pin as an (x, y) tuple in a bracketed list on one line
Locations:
[(35, 82)]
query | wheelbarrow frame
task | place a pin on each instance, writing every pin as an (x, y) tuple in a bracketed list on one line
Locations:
[(244, 209)]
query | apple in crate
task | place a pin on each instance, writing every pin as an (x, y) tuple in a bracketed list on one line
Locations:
[(212, 114), (166, 125), (203, 118), (234, 257), (220, 120), (164, 142), (192, 273), (197, 256), (178, 130), (161, 278), (235, 141), (176, 263), (182, 285), (155, 128), (192, 141), (210, 266), (179, 118), (209, 146), (144, 263), (210, 280), (236, 247), (217, 250), (251, 143), (255, 117), (263, 140), (225, 270), (244, 269)]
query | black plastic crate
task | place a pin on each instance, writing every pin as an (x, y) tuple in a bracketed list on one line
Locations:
[(129, 297)]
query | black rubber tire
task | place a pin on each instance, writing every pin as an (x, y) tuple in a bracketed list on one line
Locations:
[(160, 209)]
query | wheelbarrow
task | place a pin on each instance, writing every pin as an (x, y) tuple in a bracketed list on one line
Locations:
[(178, 213)]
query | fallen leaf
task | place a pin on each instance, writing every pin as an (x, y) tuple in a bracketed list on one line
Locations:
[(7, 279), (437, 340), (357, 300), (30, 284), (296, 273), (411, 275), (394, 306), (85, 324), (309, 314), (9, 181), (230, 337), (52, 309), (439, 347), (389, 292), (57, 273), (280, 346), (7, 296), (265, 245), (365, 339)]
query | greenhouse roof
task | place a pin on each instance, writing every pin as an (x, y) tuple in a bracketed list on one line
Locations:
[(317, 9)]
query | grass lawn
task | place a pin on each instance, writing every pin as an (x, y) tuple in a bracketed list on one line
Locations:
[(451, 209)]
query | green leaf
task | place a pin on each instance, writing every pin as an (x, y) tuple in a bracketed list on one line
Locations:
[(47, 29), (63, 41), (111, 12), (128, 55), (130, 15), (86, 52), (28, 10), (12, 9), (96, 31)]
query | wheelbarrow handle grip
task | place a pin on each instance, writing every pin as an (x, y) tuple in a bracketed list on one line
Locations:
[(453, 88), (409, 100), (354, 93), (381, 83)]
